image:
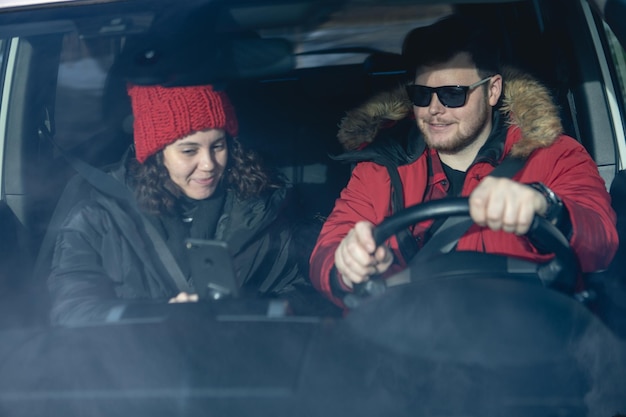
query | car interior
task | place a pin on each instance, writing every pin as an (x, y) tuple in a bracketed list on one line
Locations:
[(292, 70)]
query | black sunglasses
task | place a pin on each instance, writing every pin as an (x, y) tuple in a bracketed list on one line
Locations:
[(451, 96)]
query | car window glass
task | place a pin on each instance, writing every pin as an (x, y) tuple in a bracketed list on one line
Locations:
[(372, 28), (2, 60), (91, 106), (82, 74), (619, 57), (3, 48)]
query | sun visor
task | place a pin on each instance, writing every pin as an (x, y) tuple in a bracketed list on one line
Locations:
[(149, 60)]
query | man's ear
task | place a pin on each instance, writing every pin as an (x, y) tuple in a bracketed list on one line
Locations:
[(494, 89)]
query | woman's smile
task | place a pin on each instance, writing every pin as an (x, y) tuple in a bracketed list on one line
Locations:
[(196, 163)]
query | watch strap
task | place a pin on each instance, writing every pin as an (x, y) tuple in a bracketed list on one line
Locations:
[(555, 204)]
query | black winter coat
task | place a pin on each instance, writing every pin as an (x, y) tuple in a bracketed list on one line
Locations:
[(98, 252)]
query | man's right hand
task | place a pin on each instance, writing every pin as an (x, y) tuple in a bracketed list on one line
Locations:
[(357, 258)]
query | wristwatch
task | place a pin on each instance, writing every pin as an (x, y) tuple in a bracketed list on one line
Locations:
[(555, 204)]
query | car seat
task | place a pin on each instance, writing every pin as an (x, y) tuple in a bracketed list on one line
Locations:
[(609, 286)]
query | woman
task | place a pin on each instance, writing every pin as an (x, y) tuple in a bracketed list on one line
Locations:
[(190, 178)]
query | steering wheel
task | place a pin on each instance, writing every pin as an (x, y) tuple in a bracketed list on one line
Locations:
[(438, 262)]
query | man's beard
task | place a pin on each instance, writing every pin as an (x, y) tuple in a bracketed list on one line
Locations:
[(462, 140)]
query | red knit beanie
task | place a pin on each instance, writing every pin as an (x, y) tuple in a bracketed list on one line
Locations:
[(162, 115)]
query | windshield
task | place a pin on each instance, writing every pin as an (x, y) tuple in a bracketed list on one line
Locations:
[(349, 36), (189, 192)]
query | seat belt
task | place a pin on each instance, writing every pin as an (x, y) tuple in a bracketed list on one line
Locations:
[(110, 186), (454, 227), (107, 184)]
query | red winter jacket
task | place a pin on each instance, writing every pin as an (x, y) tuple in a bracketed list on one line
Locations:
[(554, 159)]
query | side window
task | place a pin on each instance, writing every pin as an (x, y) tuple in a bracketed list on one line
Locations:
[(92, 111), (618, 71), (83, 68), (3, 61), (3, 44), (619, 58)]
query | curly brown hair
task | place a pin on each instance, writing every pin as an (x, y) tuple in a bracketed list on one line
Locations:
[(157, 194)]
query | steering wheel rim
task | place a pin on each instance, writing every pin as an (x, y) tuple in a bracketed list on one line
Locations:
[(559, 273)]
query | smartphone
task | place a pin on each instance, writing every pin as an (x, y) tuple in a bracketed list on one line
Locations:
[(212, 269)]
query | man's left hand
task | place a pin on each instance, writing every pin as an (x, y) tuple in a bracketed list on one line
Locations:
[(507, 205)]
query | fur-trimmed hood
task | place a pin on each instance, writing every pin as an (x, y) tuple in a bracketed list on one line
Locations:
[(526, 103)]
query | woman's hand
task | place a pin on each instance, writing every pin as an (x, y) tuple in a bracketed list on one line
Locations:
[(183, 297)]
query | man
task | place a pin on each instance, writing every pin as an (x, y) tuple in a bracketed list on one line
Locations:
[(468, 116)]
